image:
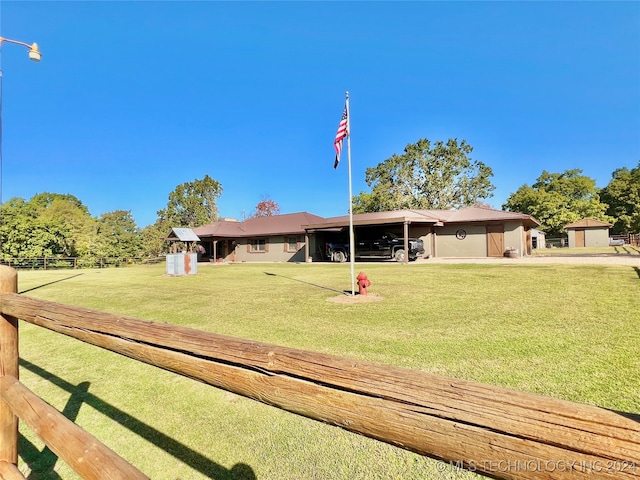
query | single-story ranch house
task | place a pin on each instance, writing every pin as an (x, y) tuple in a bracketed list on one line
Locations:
[(298, 237)]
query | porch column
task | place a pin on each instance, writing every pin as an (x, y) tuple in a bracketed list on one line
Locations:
[(406, 241)]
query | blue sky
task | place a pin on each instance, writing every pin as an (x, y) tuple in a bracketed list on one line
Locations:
[(132, 99)]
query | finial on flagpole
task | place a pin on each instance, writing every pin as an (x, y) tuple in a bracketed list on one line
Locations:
[(346, 94)]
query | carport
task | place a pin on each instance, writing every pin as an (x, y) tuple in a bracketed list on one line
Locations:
[(401, 221)]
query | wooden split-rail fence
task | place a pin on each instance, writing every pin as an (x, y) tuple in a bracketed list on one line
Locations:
[(497, 432)]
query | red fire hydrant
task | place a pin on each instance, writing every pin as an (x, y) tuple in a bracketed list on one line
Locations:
[(363, 283)]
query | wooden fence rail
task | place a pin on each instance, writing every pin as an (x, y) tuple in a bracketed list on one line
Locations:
[(53, 263), (498, 432), (88, 457)]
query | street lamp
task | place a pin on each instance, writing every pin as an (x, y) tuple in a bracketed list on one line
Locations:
[(36, 56), (34, 53)]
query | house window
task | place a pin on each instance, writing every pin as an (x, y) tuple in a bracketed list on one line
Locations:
[(258, 245), (292, 244)]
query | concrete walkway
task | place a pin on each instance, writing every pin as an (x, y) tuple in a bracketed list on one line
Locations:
[(622, 259)]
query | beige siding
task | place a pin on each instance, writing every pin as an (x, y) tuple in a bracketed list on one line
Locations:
[(275, 252), (514, 237), (424, 234), (475, 242), (597, 237), (473, 245), (593, 237)]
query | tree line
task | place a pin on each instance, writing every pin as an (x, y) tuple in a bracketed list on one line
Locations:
[(427, 175), (59, 225), (444, 176)]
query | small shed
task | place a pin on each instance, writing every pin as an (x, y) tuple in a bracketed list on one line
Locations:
[(588, 232), (184, 262), (538, 239)]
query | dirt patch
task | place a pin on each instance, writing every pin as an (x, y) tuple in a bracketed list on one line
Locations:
[(348, 299)]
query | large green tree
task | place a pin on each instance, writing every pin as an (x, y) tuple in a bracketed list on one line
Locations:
[(438, 175), (622, 194), (72, 216), (56, 225), (192, 204), (118, 235), (22, 235), (48, 224), (556, 199), (153, 238)]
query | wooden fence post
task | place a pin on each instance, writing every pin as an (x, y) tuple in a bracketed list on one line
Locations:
[(8, 366)]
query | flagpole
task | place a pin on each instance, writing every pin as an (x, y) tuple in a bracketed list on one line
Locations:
[(351, 239)]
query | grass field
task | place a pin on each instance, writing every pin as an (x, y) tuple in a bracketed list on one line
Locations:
[(567, 331)]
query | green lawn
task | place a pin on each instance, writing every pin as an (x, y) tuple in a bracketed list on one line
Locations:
[(568, 331)]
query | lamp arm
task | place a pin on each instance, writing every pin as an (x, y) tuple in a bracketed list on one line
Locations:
[(34, 52), (2, 39)]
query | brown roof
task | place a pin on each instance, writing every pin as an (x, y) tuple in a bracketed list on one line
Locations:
[(435, 217), (297, 223), (290, 223), (588, 223), (372, 218), (483, 214)]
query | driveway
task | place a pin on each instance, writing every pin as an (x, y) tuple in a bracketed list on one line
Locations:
[(622, 259)]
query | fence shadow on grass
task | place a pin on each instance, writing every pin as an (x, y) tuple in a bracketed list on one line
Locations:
[(51, 283), (637, 269), (631, 416), (43, 462), (307, 283), (626, 250)]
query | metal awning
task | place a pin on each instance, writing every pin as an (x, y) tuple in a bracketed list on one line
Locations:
[(183, 234)]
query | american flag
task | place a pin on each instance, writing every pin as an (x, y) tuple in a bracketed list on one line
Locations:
[(342, 132)]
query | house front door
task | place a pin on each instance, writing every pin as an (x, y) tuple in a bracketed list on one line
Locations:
[(579, 238)]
